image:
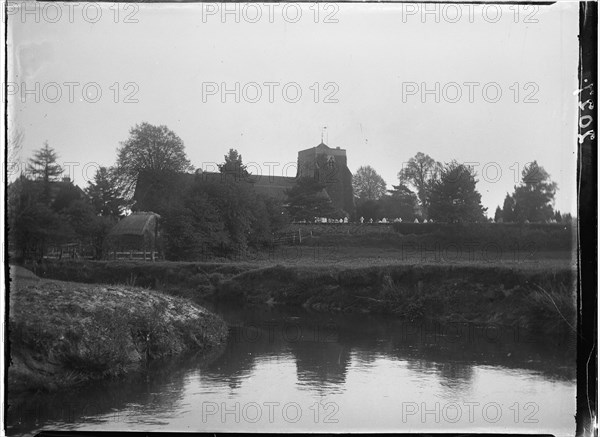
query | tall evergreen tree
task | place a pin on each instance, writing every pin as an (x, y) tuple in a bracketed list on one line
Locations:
[(104, 193), (308, 200), (454, 197), (44, 166), (558, 217), (233, 166), (401, 202), (508, 209), (535, 195), (498, 215)]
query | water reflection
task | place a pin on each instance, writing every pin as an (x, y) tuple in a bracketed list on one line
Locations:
[(371, 369), (155, 391), (327, 340)]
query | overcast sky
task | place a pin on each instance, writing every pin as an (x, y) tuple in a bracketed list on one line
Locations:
[(368, 57)]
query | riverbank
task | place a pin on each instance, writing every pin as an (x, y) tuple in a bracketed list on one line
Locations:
[(538, 299), (66, 333), (538, 296)]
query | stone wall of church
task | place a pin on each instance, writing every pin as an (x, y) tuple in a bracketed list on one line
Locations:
[(330, 167)]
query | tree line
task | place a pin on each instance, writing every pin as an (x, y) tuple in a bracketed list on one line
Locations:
[(223, 216), (226, 215), (430, 190), (45, 209)]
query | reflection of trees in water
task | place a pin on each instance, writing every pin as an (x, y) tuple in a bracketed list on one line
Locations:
[(369, 337), (157, 389), (509, 347), (321, 361), (455, 375), (322, 366), (244, 346), (234, 364), (367, 356), (322, 346), (312, 340)]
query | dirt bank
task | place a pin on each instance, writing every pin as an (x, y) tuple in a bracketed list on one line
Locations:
[(538, 299), (66, 333)]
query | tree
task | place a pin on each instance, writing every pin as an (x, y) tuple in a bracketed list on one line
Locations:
[(508, 209), (101, 226), (498, 215), (453, 196), (233, 166), (65, 193), (235, 201), (152, 148), (420, 172), (401, 203), (367, 184), (87, 226), (104, 193), (80, 215), (32, 223), (369, 209), (43, 166), (269, 216), (192, 227), (307, 200), (535, 195), (558, 217)]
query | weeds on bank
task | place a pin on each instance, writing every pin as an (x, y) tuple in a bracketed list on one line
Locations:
[(405, 300), (99, 345), (557, 302)]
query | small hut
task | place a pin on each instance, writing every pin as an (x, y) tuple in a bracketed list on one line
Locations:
[(137, 233)]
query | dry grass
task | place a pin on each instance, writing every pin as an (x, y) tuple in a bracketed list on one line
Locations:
[(88, 331)]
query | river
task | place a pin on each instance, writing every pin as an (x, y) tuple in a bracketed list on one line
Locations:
[(294, 370)]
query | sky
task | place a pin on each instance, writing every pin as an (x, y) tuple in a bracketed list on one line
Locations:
[(504, 78)]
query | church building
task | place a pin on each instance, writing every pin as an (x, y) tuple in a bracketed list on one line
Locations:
[(328, 165)]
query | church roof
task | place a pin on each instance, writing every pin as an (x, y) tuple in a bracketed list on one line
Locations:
[(270, 186), (274, 186)]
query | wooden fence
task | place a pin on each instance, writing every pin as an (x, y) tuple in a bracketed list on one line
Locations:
[(289, 238), (133, 255)]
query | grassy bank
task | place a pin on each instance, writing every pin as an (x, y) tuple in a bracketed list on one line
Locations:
[(185, 279), (537, 295), (65, 333)]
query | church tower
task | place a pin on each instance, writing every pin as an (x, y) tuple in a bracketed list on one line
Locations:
[(330, 167)]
